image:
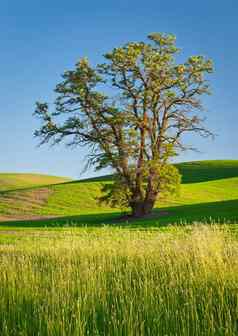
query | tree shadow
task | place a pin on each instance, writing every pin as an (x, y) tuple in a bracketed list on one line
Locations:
[(219, 212)]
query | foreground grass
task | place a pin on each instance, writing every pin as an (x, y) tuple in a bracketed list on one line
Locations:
[(119, 282)]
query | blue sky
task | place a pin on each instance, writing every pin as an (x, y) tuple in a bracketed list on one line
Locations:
[(41, 39)]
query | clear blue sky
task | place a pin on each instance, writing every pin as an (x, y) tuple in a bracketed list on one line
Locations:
[(41, 39)]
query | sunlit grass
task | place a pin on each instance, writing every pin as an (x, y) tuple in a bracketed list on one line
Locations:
[(13, 181), (119, 282)]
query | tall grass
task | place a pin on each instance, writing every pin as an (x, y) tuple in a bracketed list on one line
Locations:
[(120, 282)]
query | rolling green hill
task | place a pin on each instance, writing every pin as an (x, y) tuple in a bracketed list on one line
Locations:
[(20, 181), (209, 191), (201, 171)]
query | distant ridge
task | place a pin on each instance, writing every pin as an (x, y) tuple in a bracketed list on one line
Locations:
[(13, 181), (195, 171)]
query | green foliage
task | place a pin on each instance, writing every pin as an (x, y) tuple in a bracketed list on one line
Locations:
[(115, 194), (167, 180)]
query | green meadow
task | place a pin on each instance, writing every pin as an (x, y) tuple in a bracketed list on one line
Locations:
[(69, 266), (209, 192), (117, 281), (20, 181)]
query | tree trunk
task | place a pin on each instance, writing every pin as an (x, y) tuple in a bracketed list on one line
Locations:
[(142, 208)]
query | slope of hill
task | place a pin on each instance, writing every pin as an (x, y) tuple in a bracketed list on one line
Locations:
[(197, 171), (209, 190), (20, 181), (201, 171)]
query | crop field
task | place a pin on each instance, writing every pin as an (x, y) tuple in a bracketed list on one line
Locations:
[(113, 281), (22, 181)]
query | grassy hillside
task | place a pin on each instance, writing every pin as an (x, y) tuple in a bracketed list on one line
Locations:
[(19, 181), (197, 171), (200, 171), (209, 190)]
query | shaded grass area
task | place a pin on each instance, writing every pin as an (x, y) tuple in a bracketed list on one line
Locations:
[(119, 282), (219, 212)]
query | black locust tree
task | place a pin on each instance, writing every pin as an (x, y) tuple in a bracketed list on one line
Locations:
[(131, 112)]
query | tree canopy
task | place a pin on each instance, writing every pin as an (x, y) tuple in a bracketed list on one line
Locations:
[(131, 112)]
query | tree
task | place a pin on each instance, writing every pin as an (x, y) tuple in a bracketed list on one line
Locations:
[(131, 112)]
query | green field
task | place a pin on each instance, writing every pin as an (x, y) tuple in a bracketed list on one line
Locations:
[(71, 267), (21, 181), (209, 192), (119, 282)]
